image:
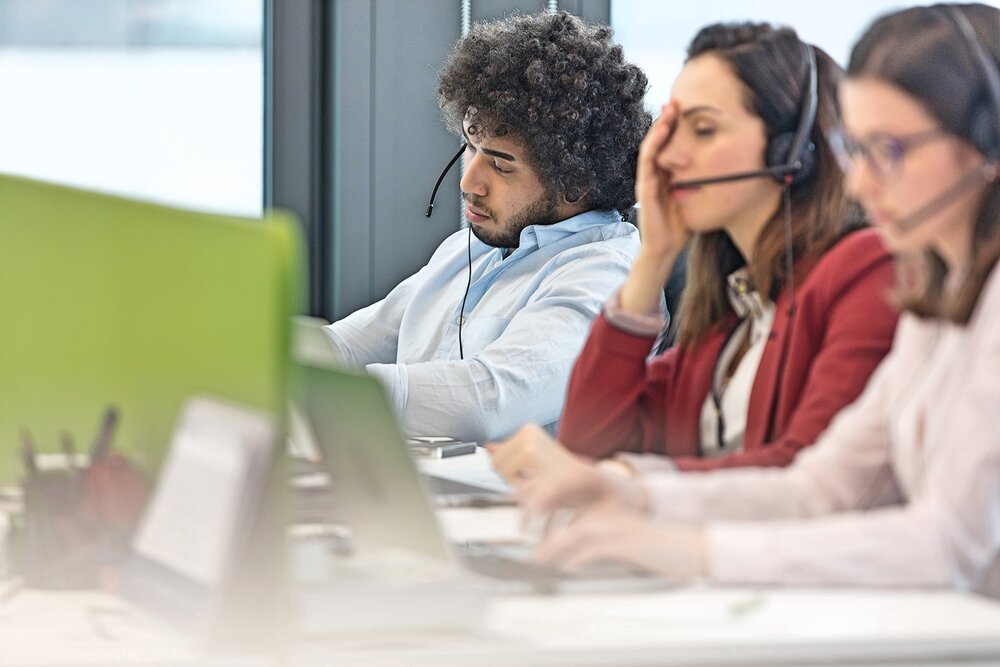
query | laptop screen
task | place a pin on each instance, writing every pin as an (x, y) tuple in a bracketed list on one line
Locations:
[(374, 478)]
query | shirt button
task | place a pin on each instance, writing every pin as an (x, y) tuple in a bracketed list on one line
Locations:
[(459, 320)]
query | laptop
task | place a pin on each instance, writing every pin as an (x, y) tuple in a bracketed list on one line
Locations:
[(312, 347), (385, 500)]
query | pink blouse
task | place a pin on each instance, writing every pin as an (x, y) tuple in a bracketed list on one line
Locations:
[(903, 488)]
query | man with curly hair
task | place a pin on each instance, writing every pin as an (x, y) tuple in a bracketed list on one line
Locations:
[(483, 338)]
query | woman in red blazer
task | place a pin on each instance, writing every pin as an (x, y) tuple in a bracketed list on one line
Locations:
[(764, 359)]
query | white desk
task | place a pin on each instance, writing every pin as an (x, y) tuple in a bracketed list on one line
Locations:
[(689, 626), (705, 626), (85, 628), (684, 626), (700, 626)]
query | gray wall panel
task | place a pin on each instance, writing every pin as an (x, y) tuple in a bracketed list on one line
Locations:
[(295, 160), (353, 102), (598, 11), (411, 145)]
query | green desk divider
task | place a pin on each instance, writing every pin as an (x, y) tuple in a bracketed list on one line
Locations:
[(108, 301)]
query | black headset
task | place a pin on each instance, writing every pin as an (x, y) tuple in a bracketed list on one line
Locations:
[(983, 129), (437, 184), (790, 156), (793, 151)]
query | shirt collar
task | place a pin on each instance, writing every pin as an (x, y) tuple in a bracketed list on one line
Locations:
[(743, 296), (539, 236)]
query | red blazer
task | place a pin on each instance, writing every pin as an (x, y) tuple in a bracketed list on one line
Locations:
[(814, 364)]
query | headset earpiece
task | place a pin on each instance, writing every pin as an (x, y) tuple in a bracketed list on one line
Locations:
[(984, 133), (794, 150), (779, 153), (986, 115)]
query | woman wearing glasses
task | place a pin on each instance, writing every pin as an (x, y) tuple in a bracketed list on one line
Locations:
[(903, 489), (766, 355)]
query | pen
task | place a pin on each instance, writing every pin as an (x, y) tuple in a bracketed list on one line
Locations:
[(744, 607), (28, 453), (103, 442), (69, 449)]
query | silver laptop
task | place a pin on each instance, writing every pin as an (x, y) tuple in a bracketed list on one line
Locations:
[(376, 485), (312, 347), (383, 497)]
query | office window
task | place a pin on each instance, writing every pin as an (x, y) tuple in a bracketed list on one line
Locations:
[(655, 34), (156, 99)]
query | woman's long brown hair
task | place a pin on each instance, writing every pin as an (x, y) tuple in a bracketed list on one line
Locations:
[(922, 52), (771, 64)]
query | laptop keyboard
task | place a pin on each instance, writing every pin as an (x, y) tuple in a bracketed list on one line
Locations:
[(512, 563)]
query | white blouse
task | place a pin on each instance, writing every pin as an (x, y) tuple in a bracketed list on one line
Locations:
[(724, 412), (903, 489)]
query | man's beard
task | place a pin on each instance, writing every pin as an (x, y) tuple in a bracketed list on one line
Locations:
[(540, 212)]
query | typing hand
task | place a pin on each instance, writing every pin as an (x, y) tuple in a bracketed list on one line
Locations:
[(612, 532), (548, 477)]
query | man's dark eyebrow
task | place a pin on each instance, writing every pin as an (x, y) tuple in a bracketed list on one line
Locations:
[(497, 154), (489, 151)]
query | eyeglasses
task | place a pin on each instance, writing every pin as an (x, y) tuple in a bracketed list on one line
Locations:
[(883, 153)]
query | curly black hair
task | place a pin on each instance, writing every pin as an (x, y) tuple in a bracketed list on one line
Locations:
[(563, 88)]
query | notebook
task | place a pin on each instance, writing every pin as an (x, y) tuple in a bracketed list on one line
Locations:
[(201, 517)]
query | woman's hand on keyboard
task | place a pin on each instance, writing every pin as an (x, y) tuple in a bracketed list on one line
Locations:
[(613, 533), (548, 477)]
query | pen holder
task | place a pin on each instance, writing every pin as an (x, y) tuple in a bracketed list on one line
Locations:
[(78, 523)]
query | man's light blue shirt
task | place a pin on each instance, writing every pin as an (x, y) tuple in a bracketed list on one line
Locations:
[(526, 319)]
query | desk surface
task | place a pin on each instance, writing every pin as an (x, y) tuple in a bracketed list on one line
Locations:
[(681, 626), (687, 626), (704, 626)]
